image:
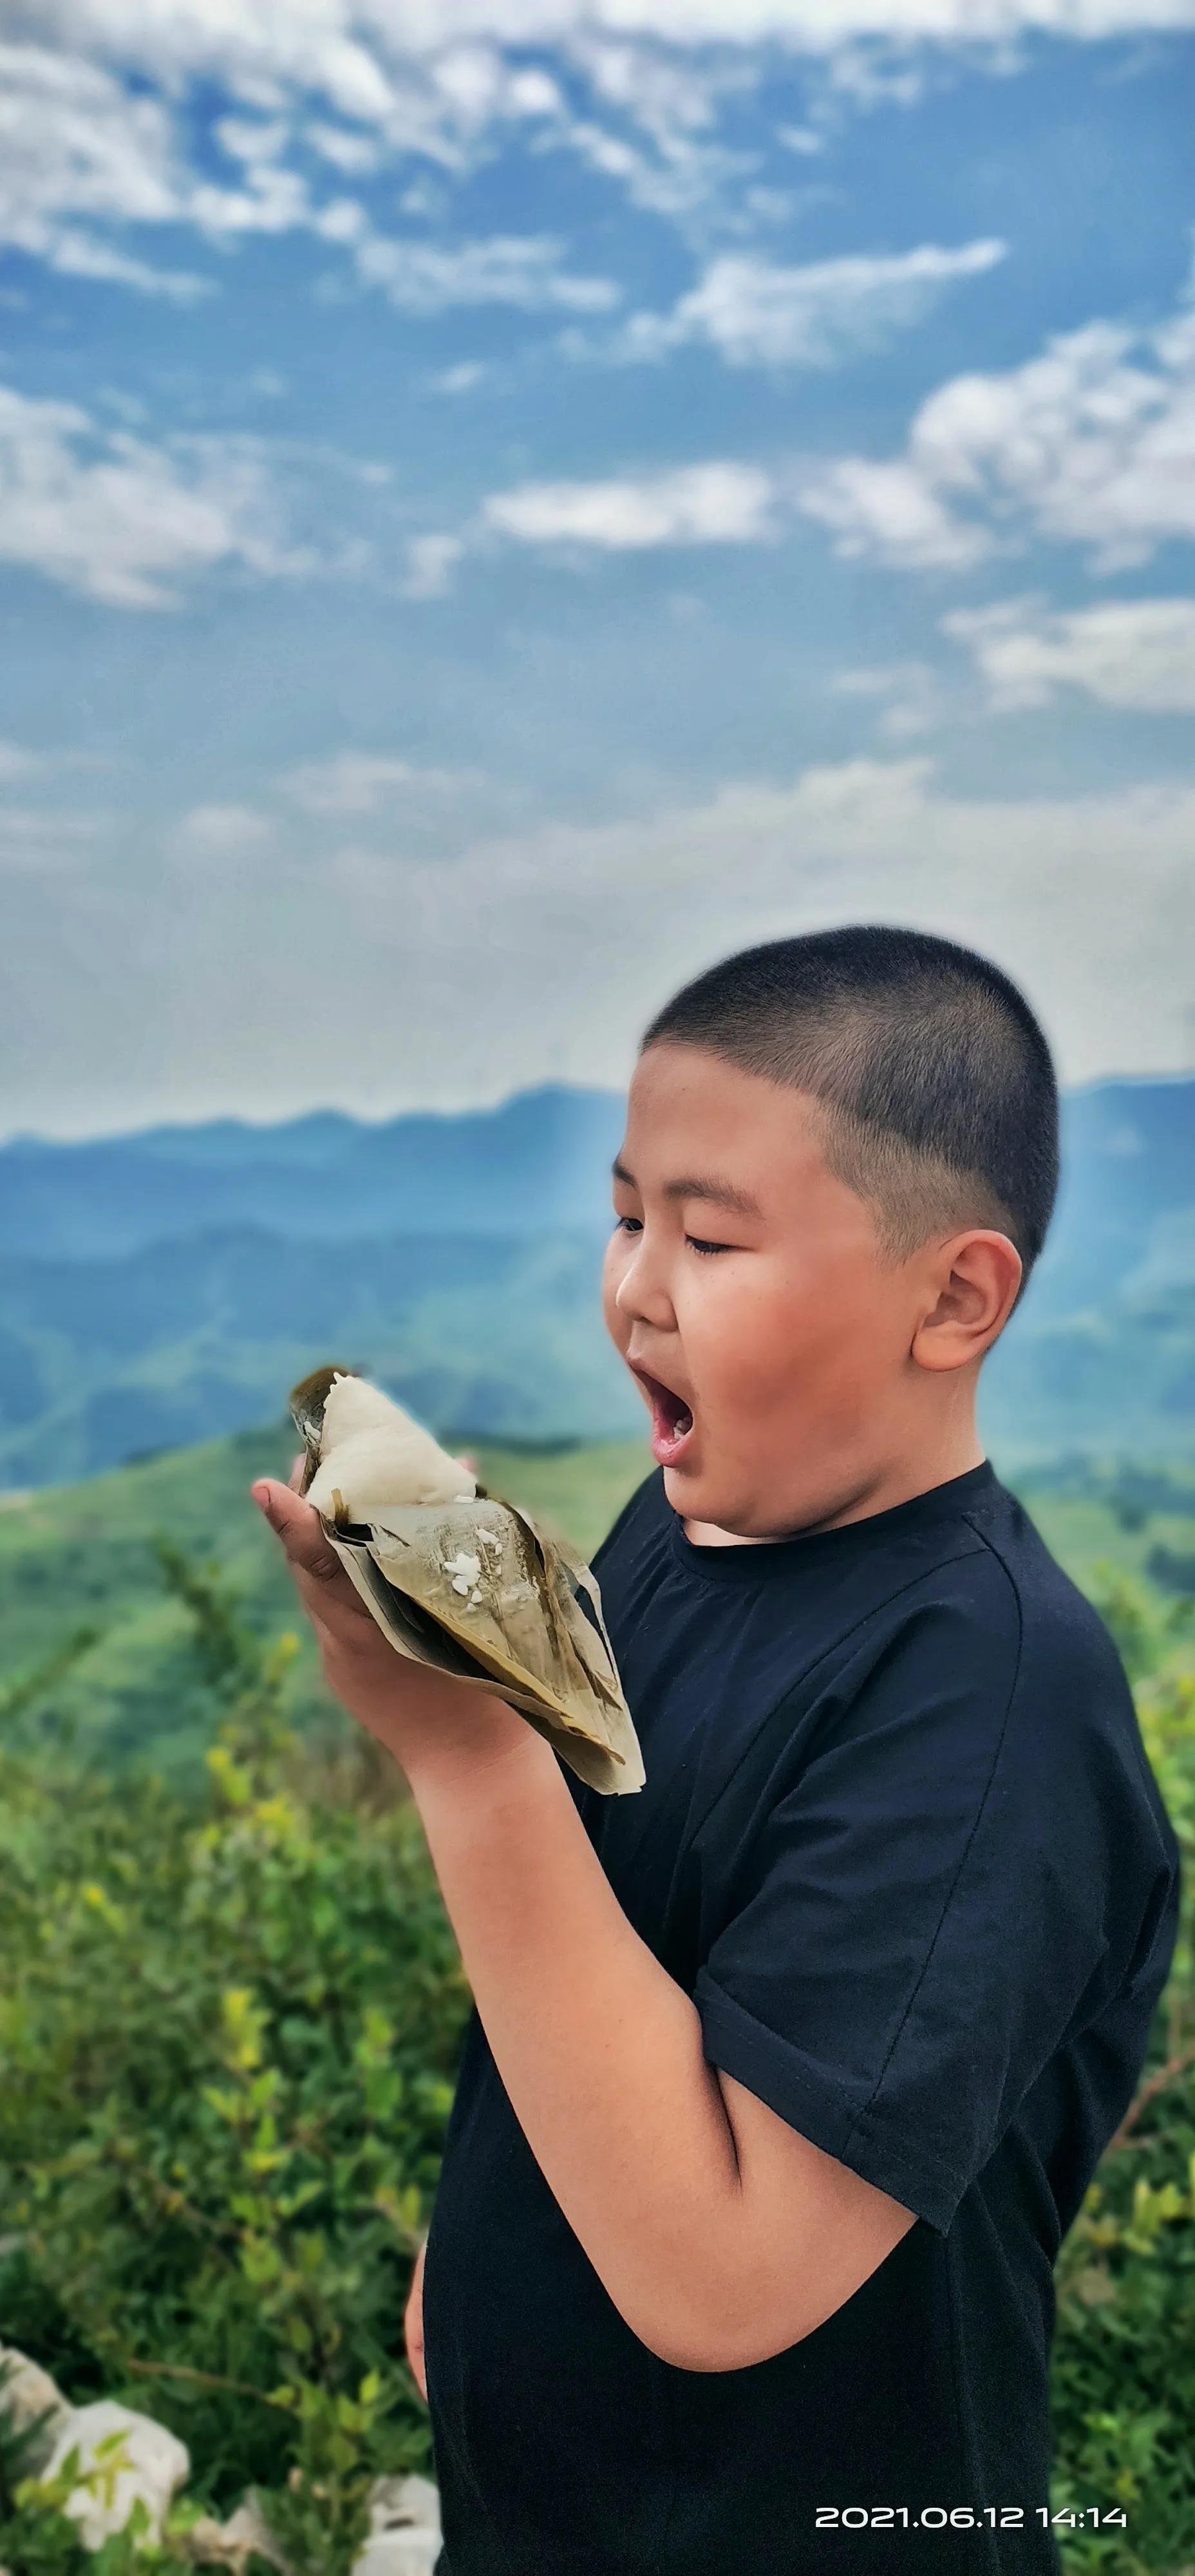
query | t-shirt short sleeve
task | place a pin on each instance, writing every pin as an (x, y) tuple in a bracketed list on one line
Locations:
[(916, 1916)]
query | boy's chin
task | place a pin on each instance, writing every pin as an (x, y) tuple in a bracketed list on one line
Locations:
[(710, 1502), (698, 1497)]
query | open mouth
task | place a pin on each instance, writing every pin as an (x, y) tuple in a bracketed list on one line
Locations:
[(671, 1417)]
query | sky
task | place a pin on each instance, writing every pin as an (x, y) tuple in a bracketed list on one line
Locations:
[(502, 503)]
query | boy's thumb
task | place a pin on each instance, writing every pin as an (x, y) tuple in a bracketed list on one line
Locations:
[(299, 1528)]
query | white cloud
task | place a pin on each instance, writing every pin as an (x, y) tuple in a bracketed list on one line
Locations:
[(667, 92), (76, 149), (541, 919), (221, 832), (758, 315), (356, 782), (423, 277), (716, 502), (346, 86), (907, 693), (355, 154), (650, 115), (76, 255), (1092, 443), (16, 762), (446, 980), (46, 842), (1132, 653), (82, 154), (893, 512), (119, 519), (870, 74), (347, 48), (83, 157), (431, 563), (709, 504), (675, 175)]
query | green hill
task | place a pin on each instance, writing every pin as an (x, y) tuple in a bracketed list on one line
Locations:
[(162, 1288), (83, 1557)]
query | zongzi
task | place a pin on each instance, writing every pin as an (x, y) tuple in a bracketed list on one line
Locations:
[(458, 1579)]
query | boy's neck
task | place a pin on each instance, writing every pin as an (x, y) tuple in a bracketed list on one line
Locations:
[(897, 1481)]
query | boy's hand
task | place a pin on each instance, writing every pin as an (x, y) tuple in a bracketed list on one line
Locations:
[(426, 1719), (413, 2325)]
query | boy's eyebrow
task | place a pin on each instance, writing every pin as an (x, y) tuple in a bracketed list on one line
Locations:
[(721, 1194)]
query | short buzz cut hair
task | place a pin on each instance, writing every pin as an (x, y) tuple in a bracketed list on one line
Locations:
[(937, 1087)]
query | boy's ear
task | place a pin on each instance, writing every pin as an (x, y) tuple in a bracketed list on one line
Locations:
[(973, 1287)]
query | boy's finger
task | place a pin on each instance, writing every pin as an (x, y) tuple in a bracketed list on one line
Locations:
[(298, 1527)]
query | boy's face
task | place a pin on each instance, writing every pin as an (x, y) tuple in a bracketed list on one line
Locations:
[(786, 1350)]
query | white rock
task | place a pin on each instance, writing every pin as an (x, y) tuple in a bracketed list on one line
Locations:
[(206, 2544), (27, 2392), (404, 2529), (232, 2544), (395, 2501), (151, 2464)]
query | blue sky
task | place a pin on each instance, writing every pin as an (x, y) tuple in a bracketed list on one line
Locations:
[(501, 504)]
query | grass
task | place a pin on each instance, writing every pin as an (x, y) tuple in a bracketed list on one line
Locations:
[(80, 1558)]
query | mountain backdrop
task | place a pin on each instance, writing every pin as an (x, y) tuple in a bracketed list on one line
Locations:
[(161, 1288)]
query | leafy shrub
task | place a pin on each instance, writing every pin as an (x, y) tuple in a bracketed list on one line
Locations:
[(229, 2043), (1172, 1569), (1123, 2380), (229, 2054)]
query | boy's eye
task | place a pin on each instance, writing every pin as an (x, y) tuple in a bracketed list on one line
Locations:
[(625, 1225)]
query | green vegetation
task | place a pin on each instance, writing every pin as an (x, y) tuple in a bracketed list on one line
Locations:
[(83, 1562), (81, 1566), (1123, 2380), (229, 2045), (233, 2008), (161, 1288)]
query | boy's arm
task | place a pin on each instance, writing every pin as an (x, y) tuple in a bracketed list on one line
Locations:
[(413, 2323), (721, 2234)]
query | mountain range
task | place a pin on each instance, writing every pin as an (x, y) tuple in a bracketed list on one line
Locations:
[(167, 1286)]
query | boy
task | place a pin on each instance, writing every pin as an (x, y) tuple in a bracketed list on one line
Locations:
[(787, 2075)]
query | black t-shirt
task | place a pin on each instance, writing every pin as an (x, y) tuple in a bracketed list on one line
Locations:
[(900, 1843)]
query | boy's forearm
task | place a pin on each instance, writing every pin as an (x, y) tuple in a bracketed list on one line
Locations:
[(599, 2049)]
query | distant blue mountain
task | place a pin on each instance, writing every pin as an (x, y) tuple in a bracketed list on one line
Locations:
[(541, 1159), (162, 1287), (1125, 1218)]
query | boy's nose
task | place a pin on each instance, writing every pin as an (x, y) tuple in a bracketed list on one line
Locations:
[(642, 1296)]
